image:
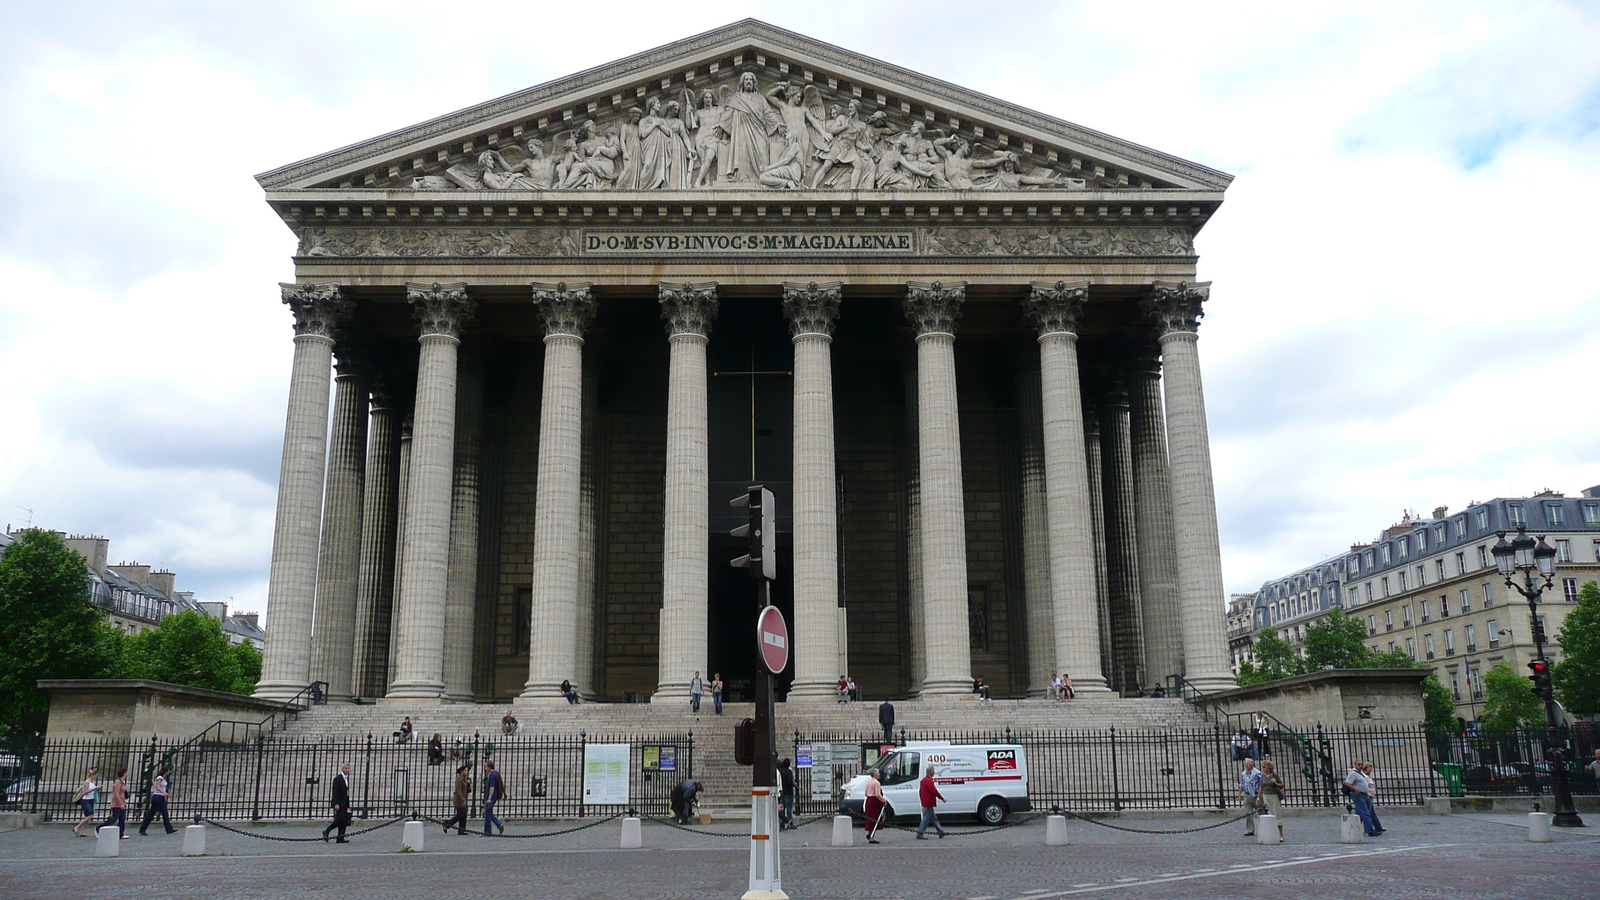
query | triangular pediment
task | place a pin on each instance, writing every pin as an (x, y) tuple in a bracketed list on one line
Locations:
[(683, 117)]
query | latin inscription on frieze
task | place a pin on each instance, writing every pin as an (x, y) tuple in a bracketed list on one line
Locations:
[(759, 242)]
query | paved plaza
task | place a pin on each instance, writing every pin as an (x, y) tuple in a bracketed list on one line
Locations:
[(1456, 857)]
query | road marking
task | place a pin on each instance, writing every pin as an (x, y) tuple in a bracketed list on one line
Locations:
[(1232, 870), (1088, 884), (985, 897)]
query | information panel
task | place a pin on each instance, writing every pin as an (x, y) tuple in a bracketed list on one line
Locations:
[(605, 774), (822, 772)]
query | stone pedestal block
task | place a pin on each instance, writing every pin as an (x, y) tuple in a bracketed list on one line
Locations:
[(632, 835), (194, 840), (108, 841), (843, 835), (1539, 827), (1055, 831), (1351, 831), (412, 838), (1266, 829)]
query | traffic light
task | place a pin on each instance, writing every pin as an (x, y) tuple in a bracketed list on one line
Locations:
[(1541, 679), (762, 560)]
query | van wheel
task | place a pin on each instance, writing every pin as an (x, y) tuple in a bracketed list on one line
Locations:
[(992, 811)]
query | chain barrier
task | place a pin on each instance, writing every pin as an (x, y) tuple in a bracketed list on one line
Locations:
[(671, 824), (542, 834), (1068, 812), (966, 832), (293, 840)]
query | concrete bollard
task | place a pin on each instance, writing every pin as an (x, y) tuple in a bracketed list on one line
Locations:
[(1351, 830), (632, 834), (1266, 829), (411, 839), (1055, 831), (108, 841), (1539, 827), (843, 834), (194, 840)]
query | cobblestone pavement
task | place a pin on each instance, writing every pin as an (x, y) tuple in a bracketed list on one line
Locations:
[(1463, 857)]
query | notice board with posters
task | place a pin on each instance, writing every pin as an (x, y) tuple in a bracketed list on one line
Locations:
[(660, 758), (605, 774)]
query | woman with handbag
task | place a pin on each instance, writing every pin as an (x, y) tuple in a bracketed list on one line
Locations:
[(1272, 793), (85, 798)]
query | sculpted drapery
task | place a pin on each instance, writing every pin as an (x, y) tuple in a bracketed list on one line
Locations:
[(751, 122)]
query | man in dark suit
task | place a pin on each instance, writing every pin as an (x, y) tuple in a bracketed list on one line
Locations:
[(886, 719), (340, 801)]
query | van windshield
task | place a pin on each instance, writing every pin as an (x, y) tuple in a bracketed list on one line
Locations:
[(900, 767)]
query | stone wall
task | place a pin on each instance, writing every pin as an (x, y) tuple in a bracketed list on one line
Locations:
[(135, 708), (1335, 698)]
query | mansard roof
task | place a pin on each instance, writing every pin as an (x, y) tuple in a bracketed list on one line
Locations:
[(445, 153)]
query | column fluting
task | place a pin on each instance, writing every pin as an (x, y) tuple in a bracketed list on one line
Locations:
[(392, 642), (688, 310), (461, 591), (1152, 480), (339, 570), (375, 583), (1125, 668), (1035, 532), (292, 580), (1097, 527), (812, 309)]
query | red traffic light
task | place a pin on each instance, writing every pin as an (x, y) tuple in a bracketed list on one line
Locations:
[(1539, 667)]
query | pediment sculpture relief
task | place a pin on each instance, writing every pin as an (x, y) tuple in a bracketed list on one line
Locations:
[(736, 136)]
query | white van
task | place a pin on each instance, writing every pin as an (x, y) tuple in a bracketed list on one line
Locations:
[(989, 781)]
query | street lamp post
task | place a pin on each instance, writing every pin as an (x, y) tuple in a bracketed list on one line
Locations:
[(1535, 561)]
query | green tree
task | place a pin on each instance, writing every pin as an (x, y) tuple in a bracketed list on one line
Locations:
[(249, 659), (48, 629), (1509, 701), (1577, 674), (1274, 659), (1337, 641), (1438, 707), (190, 648)]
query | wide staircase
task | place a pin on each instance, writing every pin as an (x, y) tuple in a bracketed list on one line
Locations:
[(726, 782)]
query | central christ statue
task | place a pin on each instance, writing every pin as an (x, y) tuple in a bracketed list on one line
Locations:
[(751, 122)]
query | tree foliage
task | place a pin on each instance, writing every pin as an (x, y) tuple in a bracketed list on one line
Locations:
[(190, 648), (1577, 674), (1337, 641), (1274, 659), (1509, 701), (48, 629)]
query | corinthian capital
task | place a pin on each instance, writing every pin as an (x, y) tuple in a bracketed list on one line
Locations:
[(1056, 306), (811, 308), (1144, 359), (440, 308), (689, 308), (1176, 306), (318, 309), (565, 308), (934, 308)]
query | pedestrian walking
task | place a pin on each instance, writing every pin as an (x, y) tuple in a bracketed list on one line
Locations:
[(682, 800), (874, 807), (928, 793), (159, 789), (716, 692), (493, 790), (1372, 798), (785, 795), (458, 798), (1356, 788), (1594, 767), (1272, 790), (339, 800), (1250, 794), (886, 719), (119, 804), (87, 794), (696, 688)]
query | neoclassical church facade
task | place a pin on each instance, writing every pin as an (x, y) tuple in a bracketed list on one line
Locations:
[(541, 343)]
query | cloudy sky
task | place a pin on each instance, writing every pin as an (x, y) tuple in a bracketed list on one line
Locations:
[(1407, 251)]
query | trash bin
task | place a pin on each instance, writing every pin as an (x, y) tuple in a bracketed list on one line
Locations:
[(1451, 772)]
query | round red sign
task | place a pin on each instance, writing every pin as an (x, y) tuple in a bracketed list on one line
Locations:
[(772, 637)]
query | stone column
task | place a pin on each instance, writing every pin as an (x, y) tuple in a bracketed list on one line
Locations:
[(1097, 528), (565, 310), (375, 582), (587, 491), (811, 310), (392, 643), (689, 310), (1125, 668), (338, 573), (441, 311), (292, 581), (1152, 481), (1055, 309), (933, 309), (461, 591), (1177, 309), (917, 653), (1035, 532)]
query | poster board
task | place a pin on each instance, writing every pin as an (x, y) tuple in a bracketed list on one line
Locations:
[(660, 757), (822, 771), (605, 774)]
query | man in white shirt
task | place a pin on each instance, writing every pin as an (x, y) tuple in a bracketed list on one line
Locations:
[(1360, 789)]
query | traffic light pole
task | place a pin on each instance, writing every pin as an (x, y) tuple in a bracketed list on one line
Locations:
[(766, 867), (1557, 747)]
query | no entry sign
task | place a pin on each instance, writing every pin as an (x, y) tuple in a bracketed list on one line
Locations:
[(772, 637)]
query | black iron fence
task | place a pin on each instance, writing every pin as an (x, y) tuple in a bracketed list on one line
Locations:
[(268, 776)]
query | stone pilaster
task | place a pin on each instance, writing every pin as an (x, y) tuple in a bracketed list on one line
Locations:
[(1035, 532), (292, 580), (461, 591), (933, 310), (1125, 668), (338, 571), (1152, 481), (375, 581), (441, 311), (1055, 310), (689, 310), (812, 309), (1177, 309), (565, 310)]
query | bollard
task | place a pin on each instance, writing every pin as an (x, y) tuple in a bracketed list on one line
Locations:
[(1539, 827), (1055, 831), (1266, 829), (632, 835), (1351, 831), (843, 835), (411, 839), (194, 840), (108, 841)]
